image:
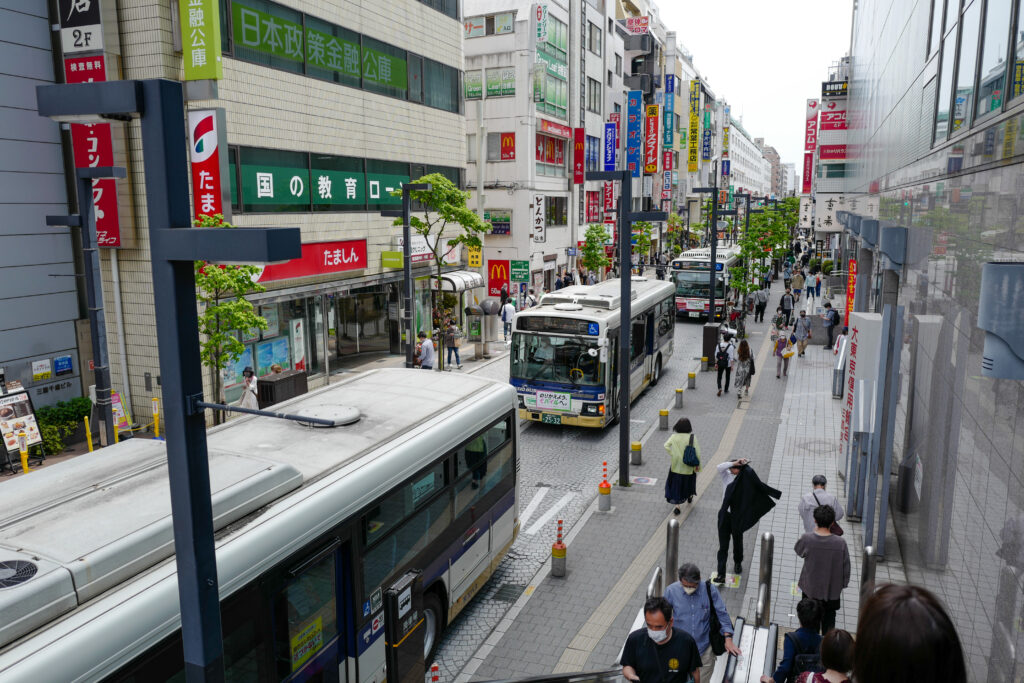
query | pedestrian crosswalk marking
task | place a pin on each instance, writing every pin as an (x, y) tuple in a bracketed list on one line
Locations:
[(539, 524), (532, 506)]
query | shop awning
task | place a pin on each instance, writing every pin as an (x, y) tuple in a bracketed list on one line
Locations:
[(459, 281)]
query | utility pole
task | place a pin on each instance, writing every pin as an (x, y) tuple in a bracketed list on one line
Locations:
[(713, 230), (405, 214), (626, 220)]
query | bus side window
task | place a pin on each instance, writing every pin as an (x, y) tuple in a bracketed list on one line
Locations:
[(403, 544), (306, 616), (637, 339)]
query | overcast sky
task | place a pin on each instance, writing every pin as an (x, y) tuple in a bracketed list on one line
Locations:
[(765, 57)]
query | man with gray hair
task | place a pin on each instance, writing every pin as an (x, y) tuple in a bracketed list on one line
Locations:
[(692, 603), (817, 496)]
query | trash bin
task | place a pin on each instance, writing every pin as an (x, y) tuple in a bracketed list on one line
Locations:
[(274, 388), (493, 330)]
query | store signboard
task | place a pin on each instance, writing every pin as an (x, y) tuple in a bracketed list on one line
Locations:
[(651, 140), (826, 152), (17, 415), (207, 136), (669, 113), (808, 176), (609, 146), (520, 271), (332, 53), (497, 276), (638, 25), (694, 132), (705, 145), (391, 259), (508, 146), (609, 195), (319, 258), (541, 13), (275, 36), (666, 160), (833, 115), (805, 213), (578, 155), (81, 28), (200, 38), (476, 257), (553, 128), (811, 126), (634, 132), (538, 225), (473, 83), (475, 27), (500, 220)]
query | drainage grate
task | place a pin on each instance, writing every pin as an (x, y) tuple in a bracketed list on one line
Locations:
[(509, 592)]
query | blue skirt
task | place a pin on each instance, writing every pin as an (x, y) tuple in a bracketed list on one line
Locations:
[(679, 487)]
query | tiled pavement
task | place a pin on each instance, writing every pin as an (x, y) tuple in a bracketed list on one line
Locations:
[(788, 429)]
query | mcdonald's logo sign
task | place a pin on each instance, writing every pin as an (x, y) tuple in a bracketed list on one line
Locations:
[(497, 276), (508, 146)]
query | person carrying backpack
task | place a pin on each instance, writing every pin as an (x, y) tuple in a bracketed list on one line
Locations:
[(831, 321), (800, 651), (760, 304), (725, 356), (787, 302), (684, 451)]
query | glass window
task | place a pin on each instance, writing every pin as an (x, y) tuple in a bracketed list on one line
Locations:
[(594, 93), (274, 180), (233, 172), (592, 153), (952, 12), (339, 183), (493, 146), (618, 65), (470, 149), (383, 178), (1017, 82), (637, 339), (595, 38), (401, 546), (306, 616), (332, 52), (963, 98), (557, 211), (440, 86), (945, 87), (992, 74), (554, 358), (550, 156), (401, 503), (384, 68), (268, 34), (933, 43), (486, 471), (415, 68)]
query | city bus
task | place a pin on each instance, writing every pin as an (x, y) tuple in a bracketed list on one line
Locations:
[(564, 356), (690, 275), (311, 524)]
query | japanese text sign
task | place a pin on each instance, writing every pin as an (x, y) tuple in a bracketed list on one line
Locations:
[(651, 140), (811, 126), (319, 258), (200, 39), (808, 177), (637, 25), (851, 287), (538, 224), (609, 146), (634, 132), (694, 132), (206, 138), (666, 160), (669, 113), (609, 195), (81, 27)]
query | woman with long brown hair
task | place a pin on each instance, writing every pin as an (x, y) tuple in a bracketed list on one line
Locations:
[(744, 369)]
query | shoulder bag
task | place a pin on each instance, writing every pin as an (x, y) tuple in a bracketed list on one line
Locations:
[(835, 529), (715, 626)]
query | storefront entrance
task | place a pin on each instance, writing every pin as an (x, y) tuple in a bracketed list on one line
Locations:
[(363, 322)]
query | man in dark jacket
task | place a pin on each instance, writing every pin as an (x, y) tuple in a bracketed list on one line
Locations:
[(746, 500)]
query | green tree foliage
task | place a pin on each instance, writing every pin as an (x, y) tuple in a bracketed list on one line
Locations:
[(224, 310), (676, 234), (642, 238), (593, 256)]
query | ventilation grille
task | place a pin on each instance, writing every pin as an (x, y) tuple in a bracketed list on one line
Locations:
[(15, 572)]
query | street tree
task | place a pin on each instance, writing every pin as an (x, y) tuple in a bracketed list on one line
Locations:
[(593, 255), (676, 233), (224, 311), (642, 231)]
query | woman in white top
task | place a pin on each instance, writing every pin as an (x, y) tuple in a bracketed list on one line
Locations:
[(248, 399)]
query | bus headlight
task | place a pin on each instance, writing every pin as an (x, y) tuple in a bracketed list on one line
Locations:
[(522, 402), (593, 409)]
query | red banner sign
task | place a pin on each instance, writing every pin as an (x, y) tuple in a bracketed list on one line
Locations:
[(204, 150), (593, 207), (578, 152), (497, 276), (851, 286), (811, 126), (833, 117), (555, 128), (508, 146), (666, 160), (319, 258), (609, 195), (808, 172), (651, 140), (93, 147), (832, 152), (616, 118)]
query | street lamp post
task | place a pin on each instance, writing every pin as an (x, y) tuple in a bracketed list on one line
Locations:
[(626, 220), (713, 229), (174, 248), (404, 213)]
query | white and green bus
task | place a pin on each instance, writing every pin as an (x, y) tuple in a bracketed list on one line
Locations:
[(311, 524), (564, 360)]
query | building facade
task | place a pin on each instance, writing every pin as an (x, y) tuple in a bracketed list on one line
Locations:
[(938, 102), (775, 163)]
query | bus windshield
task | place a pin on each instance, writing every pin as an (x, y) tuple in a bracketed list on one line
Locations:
[(557, 359), (694, 283)]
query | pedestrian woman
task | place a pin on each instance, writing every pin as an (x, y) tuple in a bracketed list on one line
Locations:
[(248, 399), (681, 485), (782, 345), (836, 656), (780, 320), (744, 369), (451, 342), (826, 570)]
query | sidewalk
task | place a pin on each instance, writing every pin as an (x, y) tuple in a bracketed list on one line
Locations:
[(789, 430)]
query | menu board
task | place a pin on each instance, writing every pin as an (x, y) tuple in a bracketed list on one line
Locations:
[(16, 415)]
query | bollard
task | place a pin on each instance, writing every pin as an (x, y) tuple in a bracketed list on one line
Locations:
[(23, 447), (604, 490), (435, 673), (636, 455), (679, 399), (691, 380), (704, 364), (558, 554), (117, 438), (88, 433), (671, 549), (156, 418), (663, 420)]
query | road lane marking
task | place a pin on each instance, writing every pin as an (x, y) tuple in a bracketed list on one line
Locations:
[(539, 524), (532, 506)]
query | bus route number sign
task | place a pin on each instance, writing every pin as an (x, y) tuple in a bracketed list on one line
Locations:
[(554, 400)]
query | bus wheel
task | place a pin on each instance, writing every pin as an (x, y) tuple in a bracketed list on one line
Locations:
[(433, 620), (656, 374)]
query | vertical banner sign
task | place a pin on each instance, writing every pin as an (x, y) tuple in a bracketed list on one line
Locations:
[(705, 144), (541, 12), (725, 168), (851, 286), (200, 39), (725, 142), (538, 224), (651, 140), (616, 118), (609, 146), (810, 143), (669, 114), (693, 137), (497, 276), (93, 146), (81, 29), (666, 160), (808, 177), (508, 146), (609, 196), (207, 138), (578, 153), (634, 133)]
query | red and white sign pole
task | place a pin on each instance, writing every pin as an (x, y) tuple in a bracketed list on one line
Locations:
[(207, 137)]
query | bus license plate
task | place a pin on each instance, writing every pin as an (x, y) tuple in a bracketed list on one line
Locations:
[(551, 419), (694, 314)]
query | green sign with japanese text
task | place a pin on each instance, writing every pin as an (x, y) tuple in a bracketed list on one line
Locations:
[(474, 84), (379, 187), (200, 39), (520, 271), (332, 53), (494, 82), (266, 33), (391, 259), (338, 188), (275, 185), (384, 69)]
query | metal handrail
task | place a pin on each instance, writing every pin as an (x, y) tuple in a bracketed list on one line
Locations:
[(577, 677), (867, 574), (671, 550), (763, 614), (654, 585)]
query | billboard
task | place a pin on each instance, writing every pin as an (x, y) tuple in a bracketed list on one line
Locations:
[(497, 276), (634, 132), (693, 137), (651, 140), (210, 181)]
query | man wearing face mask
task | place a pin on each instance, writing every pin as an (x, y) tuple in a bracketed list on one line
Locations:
[(802, 330), (660, 653), (691, 606)]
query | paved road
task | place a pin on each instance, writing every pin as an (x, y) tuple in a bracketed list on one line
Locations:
[(560, 468)]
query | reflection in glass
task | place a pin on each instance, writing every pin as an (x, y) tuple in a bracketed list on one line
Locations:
[(556, 359), (963, 100), (993, 57), (933, 43), (945, 87), (695, 284), (952, 10), (1018, 54)]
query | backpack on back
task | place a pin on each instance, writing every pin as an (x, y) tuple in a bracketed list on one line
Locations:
[(803, 660), (690, 458), (722, 356)]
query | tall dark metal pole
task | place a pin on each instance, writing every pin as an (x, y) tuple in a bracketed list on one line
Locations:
[(625, 271), (174, 293)]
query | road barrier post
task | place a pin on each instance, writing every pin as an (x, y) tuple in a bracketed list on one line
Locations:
[(604, 490), (636, 453), (679, 399), (558, 554), (691, 380), (663, 420)]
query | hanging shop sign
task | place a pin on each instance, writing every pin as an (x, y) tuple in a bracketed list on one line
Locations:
[(634, 132), (200, 39), (541, 14), (508, 146), (811, 126), (552, 128), (500, 220), (476, 257), (497, 276), (538, 225), (808, 176), (207, 136), (319, 258), (609, 195), (694, 132), (669, 114), (609, 146), (705, 145), (578, 155), (651, 140), (81, 28)]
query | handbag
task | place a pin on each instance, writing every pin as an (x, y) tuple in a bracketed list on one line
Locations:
[(690, 455), (715, 634), (789, 352), (835, 529)]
